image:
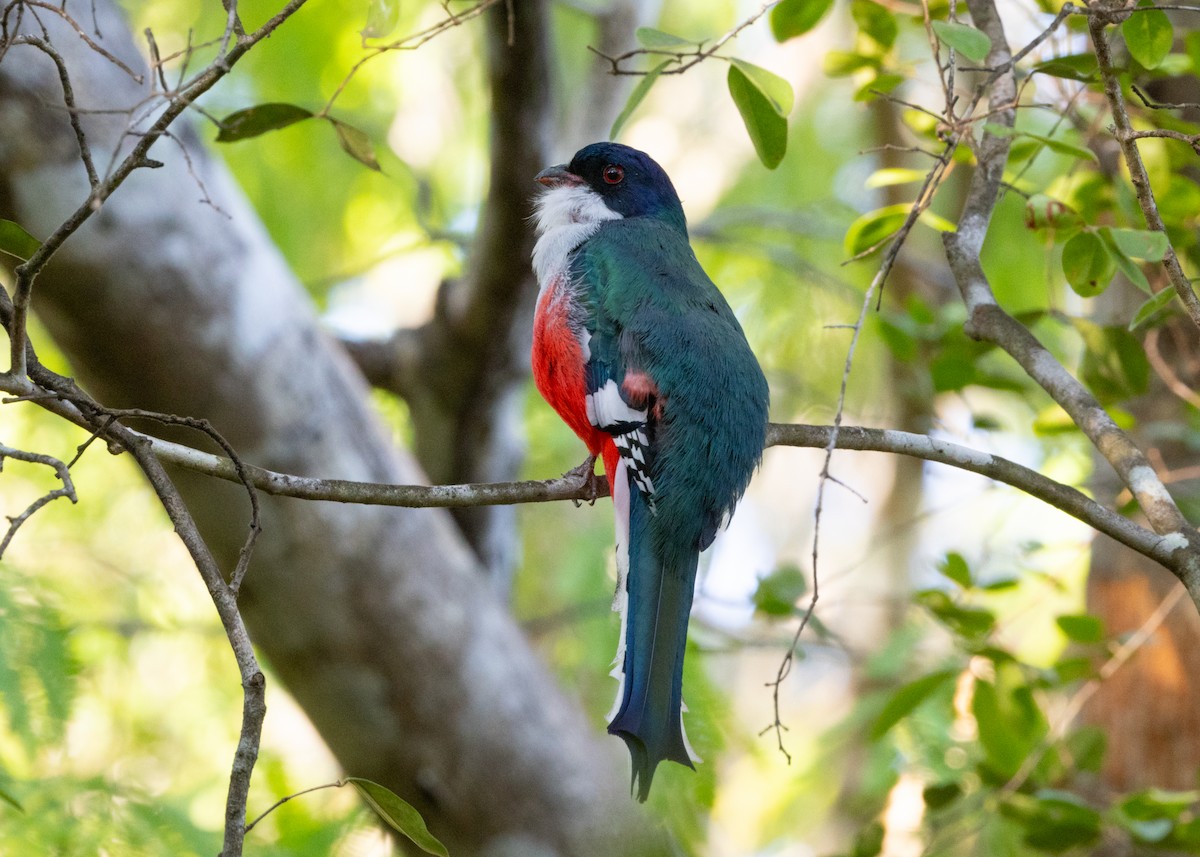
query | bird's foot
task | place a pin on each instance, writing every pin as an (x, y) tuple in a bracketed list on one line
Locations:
[(594, 484)]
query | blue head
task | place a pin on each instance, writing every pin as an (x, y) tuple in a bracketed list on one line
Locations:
[(627, 181)]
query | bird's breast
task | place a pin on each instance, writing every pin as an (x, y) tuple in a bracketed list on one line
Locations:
[(560, 356)]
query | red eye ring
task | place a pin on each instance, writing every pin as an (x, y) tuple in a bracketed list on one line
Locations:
[(613, 174)]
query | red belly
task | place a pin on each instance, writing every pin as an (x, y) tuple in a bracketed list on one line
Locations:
[(558, 371)]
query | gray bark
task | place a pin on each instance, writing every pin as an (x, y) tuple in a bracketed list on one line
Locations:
[(376, 619)]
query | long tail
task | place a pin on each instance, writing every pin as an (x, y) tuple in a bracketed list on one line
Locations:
[(657, 600)]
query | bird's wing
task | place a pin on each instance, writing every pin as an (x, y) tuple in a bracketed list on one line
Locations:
[(621, 395)]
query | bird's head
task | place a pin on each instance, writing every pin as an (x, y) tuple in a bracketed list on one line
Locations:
[(606, 181)]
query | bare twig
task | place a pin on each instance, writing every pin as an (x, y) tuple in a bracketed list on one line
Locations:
[(408, 43), (60, 470)]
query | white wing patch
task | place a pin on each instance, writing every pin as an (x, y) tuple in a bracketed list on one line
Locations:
[(566, 216), (606, 408)]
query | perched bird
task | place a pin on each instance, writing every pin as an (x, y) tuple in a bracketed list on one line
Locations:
[(642, 357)]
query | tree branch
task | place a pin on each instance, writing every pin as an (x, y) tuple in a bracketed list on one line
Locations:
[(987, 321), (578, 488), (1127, 138)]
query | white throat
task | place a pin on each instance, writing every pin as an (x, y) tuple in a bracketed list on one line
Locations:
[(566, 217)]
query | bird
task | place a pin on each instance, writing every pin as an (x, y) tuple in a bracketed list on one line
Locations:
[(640, 354)]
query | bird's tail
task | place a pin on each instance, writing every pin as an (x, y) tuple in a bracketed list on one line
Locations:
[(657, 599)]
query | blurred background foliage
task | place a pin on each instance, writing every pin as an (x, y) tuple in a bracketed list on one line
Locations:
[(930, 708)]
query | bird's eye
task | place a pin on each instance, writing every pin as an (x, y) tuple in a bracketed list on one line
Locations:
[(613, 174)]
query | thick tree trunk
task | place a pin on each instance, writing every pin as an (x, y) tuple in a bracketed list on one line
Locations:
[(1149, 708), (377, 620)]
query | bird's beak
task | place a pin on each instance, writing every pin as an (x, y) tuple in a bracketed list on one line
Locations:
[(557, 176)]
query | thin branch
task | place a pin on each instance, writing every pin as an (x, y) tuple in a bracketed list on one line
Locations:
[(1127, 138), (686, 59), (334, 785), (60, 470), (408, 43)]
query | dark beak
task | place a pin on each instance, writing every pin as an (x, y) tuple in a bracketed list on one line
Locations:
[(557, 176)]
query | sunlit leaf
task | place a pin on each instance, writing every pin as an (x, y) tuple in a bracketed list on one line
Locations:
[(875, 22), (382, 18), (399, 814), (968, 41), (1151, 308), (906, 698), (635, 98), (252, 121), (657, 40), (1087, 264), (15, 241), (776, 90), (881, 83), (1147, 244), (890, 176), (1148, 34), (843, 63), (793, 18), (356, 144), (766, 127), (1081, 627), (874, 227)]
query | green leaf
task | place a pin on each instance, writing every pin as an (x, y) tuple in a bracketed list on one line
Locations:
[(968, 41), (766, 127), (1062, 821), (400, 814), (1131, 270), (874, 227), (1088, 264), (955, 568), (1081, 67), (1114, 364), (776, 90), (657, 40), (844, 63), (382, 18), (908, 697), (875, 22), (1147, 244), (1063, 147), (356, 144), (941, 794), (1151, 308), (15, 241), (1149, 35), (889, 176), (869, 841), (636, 97), (11, 801), (778, 592), (970, 623), (1081, 627), (1046, 212), (1010, 723), (793, 18), (252, 121)]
